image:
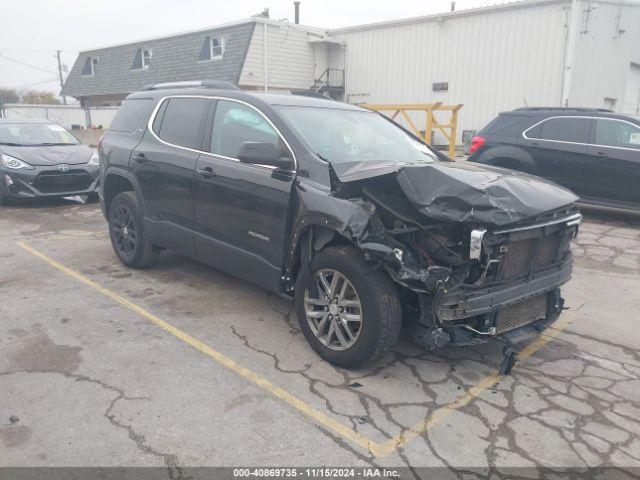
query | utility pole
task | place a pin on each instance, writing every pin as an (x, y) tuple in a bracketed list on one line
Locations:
[(64, 99)]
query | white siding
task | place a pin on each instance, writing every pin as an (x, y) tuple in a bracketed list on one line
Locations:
[(290, 58), (632, 91), (494, 60), (604, 55)]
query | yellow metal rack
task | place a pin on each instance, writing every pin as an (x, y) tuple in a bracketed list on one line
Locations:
[(449, 130)]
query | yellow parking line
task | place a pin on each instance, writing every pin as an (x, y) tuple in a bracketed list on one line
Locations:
[(441, 413), (377, 449), (253, 377)]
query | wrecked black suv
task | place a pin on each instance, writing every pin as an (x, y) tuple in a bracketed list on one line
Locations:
[(367, 228)]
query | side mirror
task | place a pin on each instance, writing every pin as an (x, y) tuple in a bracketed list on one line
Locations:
[(263, 153)]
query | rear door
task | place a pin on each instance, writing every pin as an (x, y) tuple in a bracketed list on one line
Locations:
[(241, 210), (559, 148), (125, 132), (164, 164), (615, 150)]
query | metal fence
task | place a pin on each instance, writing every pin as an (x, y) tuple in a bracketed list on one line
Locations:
[(66, 115)]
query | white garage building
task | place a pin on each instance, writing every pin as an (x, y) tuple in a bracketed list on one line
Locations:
[(535, 53)]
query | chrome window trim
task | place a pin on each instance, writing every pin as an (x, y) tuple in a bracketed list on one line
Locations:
[(212, 97), (524, 134), (570, 220)]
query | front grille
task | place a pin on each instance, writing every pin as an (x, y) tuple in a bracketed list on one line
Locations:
[(522, 313), (547, 250), (520, 255), (518, 258), (58, 182)]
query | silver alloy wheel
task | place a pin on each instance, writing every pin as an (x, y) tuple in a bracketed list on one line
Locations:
[(335, 317)]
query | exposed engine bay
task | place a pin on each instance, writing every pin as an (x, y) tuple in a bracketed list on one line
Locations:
[(475, 275)]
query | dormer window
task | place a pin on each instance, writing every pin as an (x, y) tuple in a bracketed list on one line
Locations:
[(212, 49), (89, 67), (142, 59)]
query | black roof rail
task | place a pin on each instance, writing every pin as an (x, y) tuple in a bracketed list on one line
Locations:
[(562, 109), (310, 93), (217, 84)]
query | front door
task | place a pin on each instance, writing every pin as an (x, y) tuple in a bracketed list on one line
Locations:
[(164, 164), (615, 151), (242, 210), (559, 147)]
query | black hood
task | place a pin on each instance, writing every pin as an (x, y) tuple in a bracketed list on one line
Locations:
[(465, 192), (50, 155)]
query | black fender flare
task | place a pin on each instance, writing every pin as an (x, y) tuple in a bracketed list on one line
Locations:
[(121, 172), (310, 234)]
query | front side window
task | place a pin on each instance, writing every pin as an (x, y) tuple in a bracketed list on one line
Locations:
[(35, 134), (614, 133), (236, 123), (212, 49), (340, 135), (561, 129), (182, 122)]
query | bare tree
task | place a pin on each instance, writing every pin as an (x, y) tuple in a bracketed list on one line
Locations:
[(9, 95), (40, 97)]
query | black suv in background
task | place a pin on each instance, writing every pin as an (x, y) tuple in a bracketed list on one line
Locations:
[(595, 153), (337, 207)]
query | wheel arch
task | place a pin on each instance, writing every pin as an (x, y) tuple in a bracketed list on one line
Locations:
[(116, 181), (508, 157), (311, 235)]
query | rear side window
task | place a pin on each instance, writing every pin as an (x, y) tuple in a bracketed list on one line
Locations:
[(131, 114), (182, 123), (561, 129), (506, 125), (614, 133)]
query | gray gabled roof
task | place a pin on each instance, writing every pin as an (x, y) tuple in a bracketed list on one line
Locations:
[(174, 58)]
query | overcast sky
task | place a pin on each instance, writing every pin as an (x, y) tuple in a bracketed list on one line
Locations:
[(32, 30)]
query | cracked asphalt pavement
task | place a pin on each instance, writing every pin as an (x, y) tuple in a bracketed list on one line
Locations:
[(85, 381)]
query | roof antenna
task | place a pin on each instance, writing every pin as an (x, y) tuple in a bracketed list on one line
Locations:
[(525, 102)]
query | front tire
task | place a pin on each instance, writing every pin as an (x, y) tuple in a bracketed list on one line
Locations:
[(348, 311), (4, 197), (127, 234)]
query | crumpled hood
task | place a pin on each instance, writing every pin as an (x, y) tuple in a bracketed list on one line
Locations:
[(466, 192), (50, 155)]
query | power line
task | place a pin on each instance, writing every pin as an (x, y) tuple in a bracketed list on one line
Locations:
[(20, 87), (26, 64)]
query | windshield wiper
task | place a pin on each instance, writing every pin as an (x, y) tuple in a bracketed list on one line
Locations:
[(12, 144), (50, 144)]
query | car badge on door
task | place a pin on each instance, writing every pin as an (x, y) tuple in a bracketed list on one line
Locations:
[(63, 168)]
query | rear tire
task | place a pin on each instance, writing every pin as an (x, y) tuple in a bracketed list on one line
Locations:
[(127, 233), (380, 312)]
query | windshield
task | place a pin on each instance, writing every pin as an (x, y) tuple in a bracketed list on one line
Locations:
[(339, 135), (29, 134)]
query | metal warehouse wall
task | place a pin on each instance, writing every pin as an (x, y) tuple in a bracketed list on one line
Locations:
[(608, 43), (494, 58)]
